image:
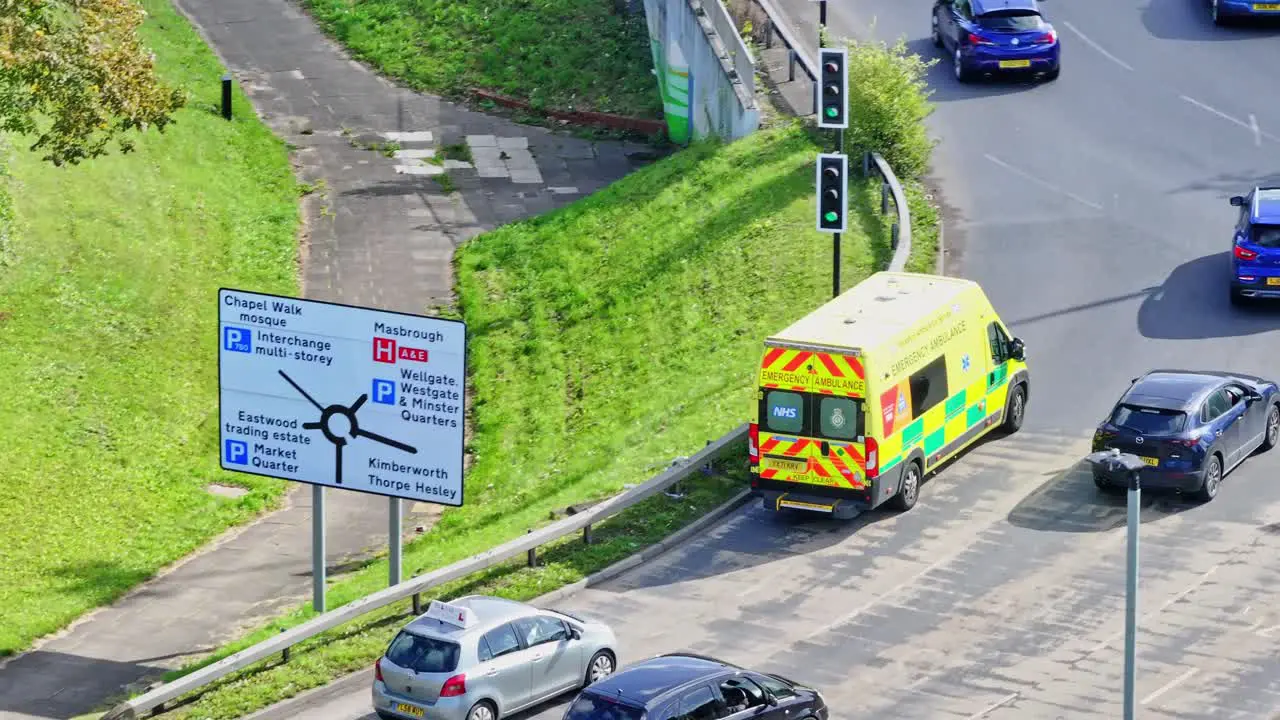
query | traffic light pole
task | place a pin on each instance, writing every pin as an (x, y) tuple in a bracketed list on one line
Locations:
[(835, 237)]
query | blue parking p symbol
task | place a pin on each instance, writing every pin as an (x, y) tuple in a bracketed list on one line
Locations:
[(384, 391), (237, 452), (237, 339)]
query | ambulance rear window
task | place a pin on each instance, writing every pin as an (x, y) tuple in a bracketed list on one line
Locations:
[(784, 412), (840, 418)]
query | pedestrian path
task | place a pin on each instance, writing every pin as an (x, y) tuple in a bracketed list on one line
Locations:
[(381, 231)]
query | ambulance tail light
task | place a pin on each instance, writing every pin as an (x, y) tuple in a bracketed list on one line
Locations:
[(753, 443), (873, 458)]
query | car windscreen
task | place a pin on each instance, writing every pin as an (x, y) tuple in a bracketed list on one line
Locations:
[(1148, 420), (1011, 20), (589, 706), (1268, 236), (423, 654)]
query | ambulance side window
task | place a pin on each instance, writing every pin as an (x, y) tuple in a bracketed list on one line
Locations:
[(784, 412), (999, 344), (929, 386)]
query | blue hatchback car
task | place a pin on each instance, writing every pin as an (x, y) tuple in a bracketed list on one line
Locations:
[(1223, 10), (1255, 252), (996, 36)]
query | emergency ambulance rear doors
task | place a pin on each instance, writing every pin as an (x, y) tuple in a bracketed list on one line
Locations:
[(811, 417)]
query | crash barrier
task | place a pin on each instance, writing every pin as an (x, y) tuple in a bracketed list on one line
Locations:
[(154, 700), (890, 187)]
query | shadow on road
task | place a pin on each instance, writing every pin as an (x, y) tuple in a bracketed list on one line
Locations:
[(1226, 185), (1192, 304), (1189, 20), (946, 88), (1069, 502)]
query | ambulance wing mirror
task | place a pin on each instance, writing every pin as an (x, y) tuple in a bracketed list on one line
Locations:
[(1018, 350)]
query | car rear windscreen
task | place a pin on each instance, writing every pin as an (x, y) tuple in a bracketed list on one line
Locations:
[(594, 707), (1011, 20), (1148, 421), (1267, 236), (423, 654)]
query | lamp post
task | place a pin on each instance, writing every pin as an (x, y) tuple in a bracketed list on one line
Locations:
[(1114, 464)]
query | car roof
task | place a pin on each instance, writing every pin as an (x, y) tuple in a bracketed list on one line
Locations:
[(650, 681), (489, 611), (1266, 206), (1172, 389), (982, 7)]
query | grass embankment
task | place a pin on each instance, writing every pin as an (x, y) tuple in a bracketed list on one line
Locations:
[(606, 339), (108, 280), (554, 54)]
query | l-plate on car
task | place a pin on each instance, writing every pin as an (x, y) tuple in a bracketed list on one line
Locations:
[(996, 36), (482, 658), (1191, 427), (1221, 11), (1255, 249)]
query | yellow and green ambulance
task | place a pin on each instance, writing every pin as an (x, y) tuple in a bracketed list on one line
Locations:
[(864, 396)]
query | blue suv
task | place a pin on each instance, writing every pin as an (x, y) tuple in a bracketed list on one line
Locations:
[(1255, 253), (692, 687)]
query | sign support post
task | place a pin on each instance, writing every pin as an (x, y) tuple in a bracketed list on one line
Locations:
[(394, 539), (317, 548)]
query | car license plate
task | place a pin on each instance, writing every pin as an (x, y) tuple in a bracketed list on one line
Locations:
[(1015, 63), (1273, 281), (410, 710), (1266, 7), (791, 466), (1153, 462)]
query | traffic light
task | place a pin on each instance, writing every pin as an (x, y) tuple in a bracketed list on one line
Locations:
[(833, 89), (833, 202)]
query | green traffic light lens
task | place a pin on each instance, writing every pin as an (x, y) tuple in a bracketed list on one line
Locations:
[(831, 217), (832, 112)]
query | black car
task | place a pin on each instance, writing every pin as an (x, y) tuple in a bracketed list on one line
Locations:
[(693, 687), (1191, 427)]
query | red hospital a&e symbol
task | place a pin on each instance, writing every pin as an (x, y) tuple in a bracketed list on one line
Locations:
[(384, 350)]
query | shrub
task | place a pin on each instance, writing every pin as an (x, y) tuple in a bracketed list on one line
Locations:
[(888, 102)]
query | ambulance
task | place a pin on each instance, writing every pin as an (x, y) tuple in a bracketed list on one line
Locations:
[(859, 400)]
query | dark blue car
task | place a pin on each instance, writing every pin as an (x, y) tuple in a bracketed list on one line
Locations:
[(1255, 252), (1191, 427), (682, 686), (1223, 10), (996, 36)]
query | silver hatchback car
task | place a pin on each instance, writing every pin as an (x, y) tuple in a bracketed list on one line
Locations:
[(481, 658)]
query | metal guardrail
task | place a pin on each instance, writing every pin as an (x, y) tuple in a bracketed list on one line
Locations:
[(744, 63), (796, 54), (155, 699), (900, 232)]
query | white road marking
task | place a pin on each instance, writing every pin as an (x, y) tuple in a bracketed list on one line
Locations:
[(1266, 632), (1000, 703), (1169, 685), (1181, 594), (1258, 134), (1097, 47), (1042, 183)]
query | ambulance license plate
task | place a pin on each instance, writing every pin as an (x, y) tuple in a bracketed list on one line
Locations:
[(791, 466), (410, 710), (1009, 64), (1153, 462), (1273, 281), (1266, 7)]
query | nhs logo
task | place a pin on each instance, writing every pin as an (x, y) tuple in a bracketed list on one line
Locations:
[(237, 339)]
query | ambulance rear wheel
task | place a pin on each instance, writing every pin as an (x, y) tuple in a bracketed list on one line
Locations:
[(1017, 409), (910, 490)]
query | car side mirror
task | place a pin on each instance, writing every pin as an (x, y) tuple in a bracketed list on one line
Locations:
[(1253, 397), (1237, 200), (575, 633), (770, 698), (1018, 350)]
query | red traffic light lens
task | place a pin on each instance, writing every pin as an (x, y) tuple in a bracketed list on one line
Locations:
[(831, 67), (831, 173)]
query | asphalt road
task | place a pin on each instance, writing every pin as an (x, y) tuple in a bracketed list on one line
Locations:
[(1093, 210)]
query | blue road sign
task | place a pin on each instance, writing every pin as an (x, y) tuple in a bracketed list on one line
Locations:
[(384, 391), (237, 339), (237, 452)]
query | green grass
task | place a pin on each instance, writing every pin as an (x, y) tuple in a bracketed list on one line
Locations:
[(555, 54), (107, 323), (607, 339)]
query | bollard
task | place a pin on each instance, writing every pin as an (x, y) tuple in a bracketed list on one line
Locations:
[(226, 96), (791, 65), (884, 198), (586, 535), (893, 236), (417, 603), (533, 553), (866, 164), (284, 653), (768, 35)]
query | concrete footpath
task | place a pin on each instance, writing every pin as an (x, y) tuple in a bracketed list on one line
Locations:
[(381, 232)]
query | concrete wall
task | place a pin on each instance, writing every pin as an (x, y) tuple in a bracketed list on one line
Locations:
[(705, 72)]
